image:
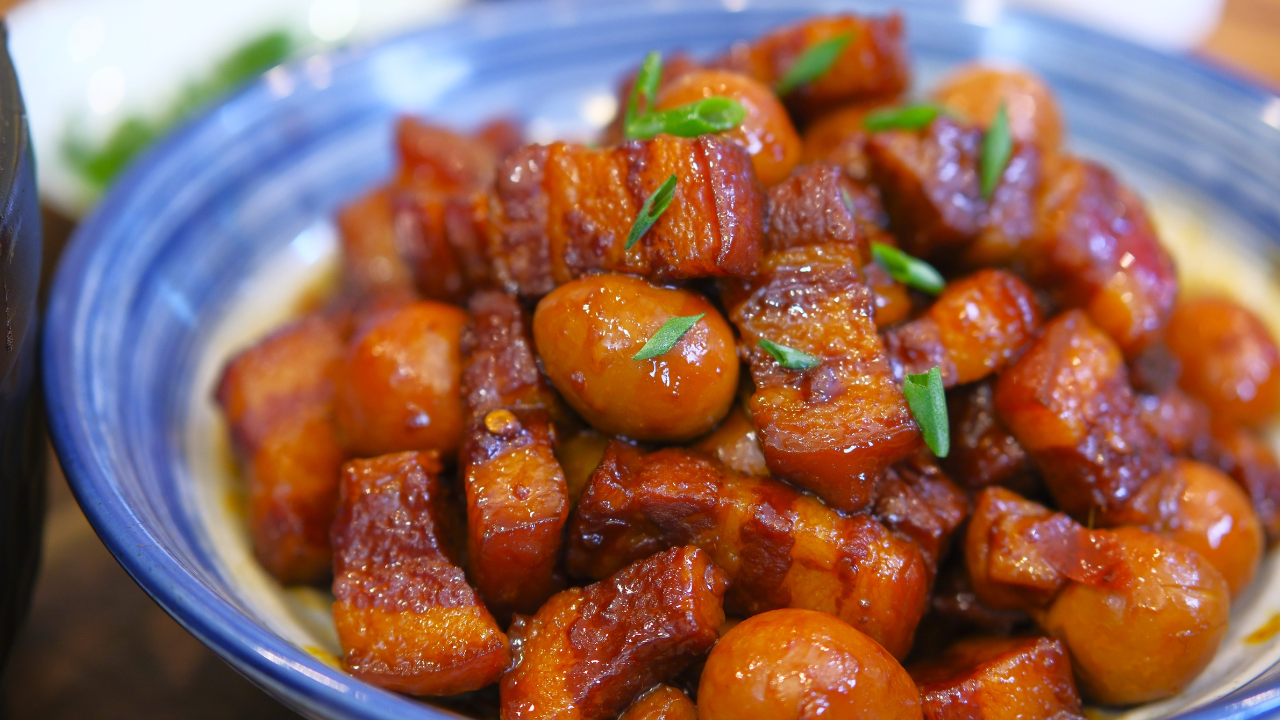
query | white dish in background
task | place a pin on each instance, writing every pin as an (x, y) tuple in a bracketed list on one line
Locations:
[(92, 63)]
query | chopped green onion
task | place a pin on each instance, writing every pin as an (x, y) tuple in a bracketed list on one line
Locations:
[(667, 336), (646, 85), (910, 117), (653, 207), (813, 63), (908, 270), (789, 358), (997, 147), (709, 115), (928, 403)]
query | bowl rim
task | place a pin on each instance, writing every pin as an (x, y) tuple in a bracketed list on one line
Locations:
[(284, 670)]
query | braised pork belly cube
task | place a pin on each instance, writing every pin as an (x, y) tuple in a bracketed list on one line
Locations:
[(517, 499), (832, 428), (662, 703), (373, 263), (562, 211), (780, 548), (840, 137), (1009, 222), (590, 651), (873, 63), (1068, 403), (975, 327), (995, 678), (1095, 249), (983, 451), (1180, 422), (916, 498), (820, 204), (405, 616), (278, 400), (1249, 460), (1020, 554)]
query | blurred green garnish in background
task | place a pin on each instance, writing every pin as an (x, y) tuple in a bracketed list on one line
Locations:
[(99, 163)]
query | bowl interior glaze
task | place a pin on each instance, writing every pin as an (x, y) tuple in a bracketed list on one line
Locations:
[(235, 205)]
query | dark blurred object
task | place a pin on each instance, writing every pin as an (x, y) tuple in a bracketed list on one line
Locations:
[(21, 428)]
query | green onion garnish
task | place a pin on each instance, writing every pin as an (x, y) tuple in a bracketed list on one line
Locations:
[(997, 147), (928, 403), (653, 207), (813, 63), (789, 358), (709, 115), (910, 117), (667, 336), (908, 270), (646, 85)]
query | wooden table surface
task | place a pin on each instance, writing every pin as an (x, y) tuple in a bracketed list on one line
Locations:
[(95, 646)]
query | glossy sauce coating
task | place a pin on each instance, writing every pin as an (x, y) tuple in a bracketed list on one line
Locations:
[(1229, 359), (1180, 422), (840, 137), (372, 263), (278, 399), (995, 678), (1249, 460), (1069, 404), (873, 64), (587, 333), (820, 204), (831, 429), (1096, 250), (780, 548), (399, 387), (975, 327), (1203, 509), (977, 92), (1020, 553), (662, 703), (589, 652), (563, 211), (798, 664), (766, 132), (1148, 639), (405, 616), (736, 444), (517, 498), (916, 498), (983, 451)]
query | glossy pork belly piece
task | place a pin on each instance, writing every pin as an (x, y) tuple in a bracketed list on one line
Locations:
[(975, 327), (373, 263), (916, 498), (831, 429), (1069, 404), (996, 678), (820, 204), (779, 547), (564, 211), (1096, 250), (662, 703), (873, 64), (278, 400), (983, 451), (840, 137), (590, 651), (517, 498), (1180, 422), (405, 616), (1020, 554), (1249, 460)]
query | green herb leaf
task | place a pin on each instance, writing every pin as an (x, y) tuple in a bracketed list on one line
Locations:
[(997, 147), (908, 270), (653, 207), (928, 403), (667, 336), (813, 63), (645, 85), (789, 358), (709, 115), (910, 117)]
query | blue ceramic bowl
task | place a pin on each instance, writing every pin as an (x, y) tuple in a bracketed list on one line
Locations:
[(155, 269)]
